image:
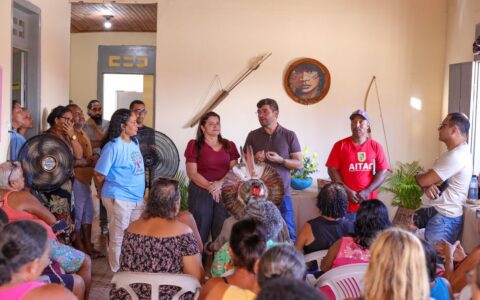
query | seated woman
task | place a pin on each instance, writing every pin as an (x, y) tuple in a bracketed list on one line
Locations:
[(247, 244), (440, 288), (186, 217), (21, 205), (59, 201), (269, 217), (23, 255), (397, 268), (288, 289), (372, 218), (457, 263), (158, 243), (321, 232), (283, 261)]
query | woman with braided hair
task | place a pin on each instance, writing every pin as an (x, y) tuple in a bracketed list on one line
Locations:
[(23, 255)]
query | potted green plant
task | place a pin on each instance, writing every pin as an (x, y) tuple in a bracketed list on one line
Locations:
[(183, 187), (406, 192), (300, 179)]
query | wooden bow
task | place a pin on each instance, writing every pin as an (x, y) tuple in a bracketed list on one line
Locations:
[(223, 93)]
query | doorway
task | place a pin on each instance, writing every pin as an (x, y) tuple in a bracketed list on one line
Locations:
[(26, 60), (124, 72), (119, 90)]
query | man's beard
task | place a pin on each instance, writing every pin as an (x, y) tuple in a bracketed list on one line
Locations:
[(97, 119)]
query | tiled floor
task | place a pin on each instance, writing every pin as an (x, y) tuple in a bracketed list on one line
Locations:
[(101, 273)]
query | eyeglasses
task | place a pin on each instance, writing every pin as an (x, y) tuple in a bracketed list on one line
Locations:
[(68, 120), (15, 165), (140, 111), (96, 109), (442, 125), (262, 112)]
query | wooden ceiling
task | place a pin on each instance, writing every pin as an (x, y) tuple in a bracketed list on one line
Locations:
[(89, 17)]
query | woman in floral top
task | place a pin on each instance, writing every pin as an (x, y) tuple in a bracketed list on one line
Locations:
[(372, 218), (157, 242)]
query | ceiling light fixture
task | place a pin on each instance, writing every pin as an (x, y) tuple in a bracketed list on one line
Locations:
[(107, 23)]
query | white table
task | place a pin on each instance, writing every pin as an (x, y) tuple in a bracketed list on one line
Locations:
[(304, 206)]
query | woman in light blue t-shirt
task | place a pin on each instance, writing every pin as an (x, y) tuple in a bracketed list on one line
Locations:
[(120, 176)]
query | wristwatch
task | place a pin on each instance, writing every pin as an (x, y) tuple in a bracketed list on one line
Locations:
[(73, 137)]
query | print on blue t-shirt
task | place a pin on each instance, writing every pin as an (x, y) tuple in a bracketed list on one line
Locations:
[(122, 165)]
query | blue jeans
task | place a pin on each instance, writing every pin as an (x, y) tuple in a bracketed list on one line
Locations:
[(440, 227), (83, 204), (286, 209)]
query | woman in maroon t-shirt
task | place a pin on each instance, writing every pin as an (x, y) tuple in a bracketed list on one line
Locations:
[(209, 158)]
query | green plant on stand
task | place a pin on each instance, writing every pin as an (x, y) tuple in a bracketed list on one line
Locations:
[(406, 192), (183, 183), (301, 178)]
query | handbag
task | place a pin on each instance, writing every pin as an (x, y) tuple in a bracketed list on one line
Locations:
[(423, 215)]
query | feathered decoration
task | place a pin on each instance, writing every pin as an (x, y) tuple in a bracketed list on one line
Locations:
[(250, 181)]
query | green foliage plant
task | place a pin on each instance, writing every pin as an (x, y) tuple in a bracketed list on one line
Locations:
[(183, 183), (310, 165), (402, 184)]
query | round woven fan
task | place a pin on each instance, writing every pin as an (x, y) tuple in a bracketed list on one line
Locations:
[(47, 162), (160, 155), (238, 189)]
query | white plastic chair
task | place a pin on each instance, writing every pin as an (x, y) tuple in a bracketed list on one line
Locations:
[(344, 281), (317, 255), (465, 293), (186, 282)]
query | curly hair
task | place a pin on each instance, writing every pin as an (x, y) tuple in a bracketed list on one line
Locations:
[(281, 261), (163, 199), (372, 218), (119, 117), (20, 243), (248, 243), (57, 112), (398, 257), (332, 200), (200, 137)]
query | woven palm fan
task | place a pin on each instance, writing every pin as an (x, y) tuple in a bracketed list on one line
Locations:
[(160, 155), (250, 181), (47, 162)]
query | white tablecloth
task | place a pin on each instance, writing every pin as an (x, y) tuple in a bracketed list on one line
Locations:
[(304, 206), (470, 236)]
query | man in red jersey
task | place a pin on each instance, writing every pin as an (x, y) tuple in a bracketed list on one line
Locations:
[(358, 162)]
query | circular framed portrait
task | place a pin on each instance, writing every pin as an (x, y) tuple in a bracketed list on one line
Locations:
[(307, 81)]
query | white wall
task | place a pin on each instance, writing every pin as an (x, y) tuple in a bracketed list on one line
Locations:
[(463, 15), (393, 40), (84, 59), (54, 53), (6, 82), (54, 58)]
